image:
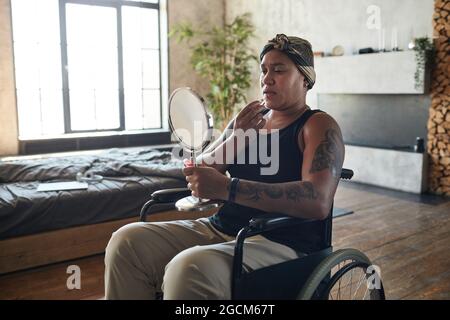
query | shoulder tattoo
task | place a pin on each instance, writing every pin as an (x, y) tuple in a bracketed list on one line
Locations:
[(328, 155)]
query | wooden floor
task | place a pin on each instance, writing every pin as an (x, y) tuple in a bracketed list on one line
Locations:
[(407, 236)]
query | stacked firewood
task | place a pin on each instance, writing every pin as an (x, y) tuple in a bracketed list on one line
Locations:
[(439, 120)]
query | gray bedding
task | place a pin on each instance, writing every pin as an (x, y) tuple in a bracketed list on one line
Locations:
[(129, 177)]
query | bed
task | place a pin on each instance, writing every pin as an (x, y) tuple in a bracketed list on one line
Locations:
[(44, 227)]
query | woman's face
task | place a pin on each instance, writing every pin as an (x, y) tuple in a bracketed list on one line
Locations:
[(282, 84)]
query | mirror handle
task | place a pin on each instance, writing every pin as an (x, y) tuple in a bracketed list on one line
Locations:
[(193, 158), (210, 120)]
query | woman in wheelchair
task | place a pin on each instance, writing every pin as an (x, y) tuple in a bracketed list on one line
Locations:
[(193, 259)]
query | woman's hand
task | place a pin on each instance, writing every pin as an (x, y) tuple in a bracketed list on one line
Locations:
[(206, 182), (250, 117)]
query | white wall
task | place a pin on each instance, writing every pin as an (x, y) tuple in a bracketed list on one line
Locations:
[(201, 14), (324, 22), (8, 118), (327, 23)]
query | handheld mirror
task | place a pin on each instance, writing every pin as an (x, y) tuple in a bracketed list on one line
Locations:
[(191, 125)]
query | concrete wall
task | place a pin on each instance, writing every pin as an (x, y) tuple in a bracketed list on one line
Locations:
[(368, 119), (328, 23), (379, 120), (325, 23), (344, 22), (378, 73), (8, 118), (200, 13), (393, 169)]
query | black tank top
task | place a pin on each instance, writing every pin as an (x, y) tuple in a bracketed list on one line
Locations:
[(231, 217)]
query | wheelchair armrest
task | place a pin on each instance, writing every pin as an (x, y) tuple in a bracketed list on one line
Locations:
[(170, 195), (259, 225), (163, 197), (346, 174)]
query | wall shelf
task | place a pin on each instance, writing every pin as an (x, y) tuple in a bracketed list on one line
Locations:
[(374, 73)]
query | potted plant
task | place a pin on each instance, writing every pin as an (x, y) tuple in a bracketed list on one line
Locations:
[(425, 52), (223, 57)]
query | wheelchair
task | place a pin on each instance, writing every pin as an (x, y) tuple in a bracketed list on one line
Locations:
[(345, 274)]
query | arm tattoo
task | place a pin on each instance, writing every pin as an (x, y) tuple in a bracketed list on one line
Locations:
[(273, 192), (328, 154), (254, 191), (250, 190), (297, 191)]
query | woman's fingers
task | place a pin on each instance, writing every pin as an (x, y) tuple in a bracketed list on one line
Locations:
[(192, 185), (249, 111), (251, 119), (254, 112), (261, 124), (248, 108), (257, 115), (188, 163), (187, 171), (255, 120)]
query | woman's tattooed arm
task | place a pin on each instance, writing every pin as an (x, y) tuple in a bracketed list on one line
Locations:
[(328, 155), (296, 191), (310, 198), (291, 198)]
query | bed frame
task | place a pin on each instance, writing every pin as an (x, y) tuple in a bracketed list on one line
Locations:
[(30, 251)]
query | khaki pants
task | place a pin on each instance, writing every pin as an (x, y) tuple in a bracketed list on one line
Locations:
[(185, 259)]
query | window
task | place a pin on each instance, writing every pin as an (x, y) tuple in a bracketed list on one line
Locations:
[(84, 66)]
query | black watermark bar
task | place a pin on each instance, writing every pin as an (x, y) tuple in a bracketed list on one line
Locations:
[(219, 309)]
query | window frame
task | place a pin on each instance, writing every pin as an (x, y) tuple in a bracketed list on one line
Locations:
[(72, 140)]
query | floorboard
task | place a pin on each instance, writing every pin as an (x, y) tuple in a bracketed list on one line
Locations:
[(406, 235)]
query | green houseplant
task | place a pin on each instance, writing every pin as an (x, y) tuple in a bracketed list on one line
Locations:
[(223, 57), (425, 52)]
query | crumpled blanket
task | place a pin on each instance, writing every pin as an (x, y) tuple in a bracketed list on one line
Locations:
[(111, 163), (130, 176)]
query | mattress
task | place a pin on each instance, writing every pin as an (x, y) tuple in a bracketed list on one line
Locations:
[(128, 179)]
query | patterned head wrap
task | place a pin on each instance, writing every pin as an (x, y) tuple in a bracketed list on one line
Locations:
[(298, 50)]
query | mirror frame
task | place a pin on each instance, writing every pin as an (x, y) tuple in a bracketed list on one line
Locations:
[(208, 119)]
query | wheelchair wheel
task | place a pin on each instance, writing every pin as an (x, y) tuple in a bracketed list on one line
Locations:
[(344, 275)]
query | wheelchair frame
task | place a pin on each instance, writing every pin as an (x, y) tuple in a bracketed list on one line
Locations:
[(282, 280)]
